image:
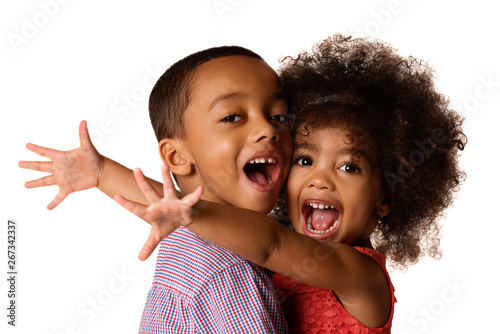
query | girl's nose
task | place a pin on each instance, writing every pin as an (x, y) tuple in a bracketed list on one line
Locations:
[(320, 178)]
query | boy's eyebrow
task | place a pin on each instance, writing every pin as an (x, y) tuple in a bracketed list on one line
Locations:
[(237, 95), (225, 97), (279, 96)]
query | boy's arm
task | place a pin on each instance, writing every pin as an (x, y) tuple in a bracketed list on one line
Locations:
[(83, 168), (116, 179)]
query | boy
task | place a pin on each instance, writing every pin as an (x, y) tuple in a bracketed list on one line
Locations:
[(219, 116)]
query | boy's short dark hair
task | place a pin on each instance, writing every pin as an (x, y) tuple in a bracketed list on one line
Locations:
[(172, 92)]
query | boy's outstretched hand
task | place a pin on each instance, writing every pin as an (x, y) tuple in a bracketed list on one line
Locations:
[(71, 171), (164, 213)]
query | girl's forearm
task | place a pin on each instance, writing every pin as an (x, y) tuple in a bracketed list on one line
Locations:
[(253, 235), (262, 240)]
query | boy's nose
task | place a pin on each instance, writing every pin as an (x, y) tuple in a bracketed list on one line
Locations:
[(263, 131)]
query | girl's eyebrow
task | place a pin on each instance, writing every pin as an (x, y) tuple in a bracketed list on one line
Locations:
[(305, 146), (353, 151), (348, 151)]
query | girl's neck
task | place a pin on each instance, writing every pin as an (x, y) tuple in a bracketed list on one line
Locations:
[(365, 244)]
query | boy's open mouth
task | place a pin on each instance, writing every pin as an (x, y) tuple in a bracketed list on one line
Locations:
[(263, 171), (320, 219)]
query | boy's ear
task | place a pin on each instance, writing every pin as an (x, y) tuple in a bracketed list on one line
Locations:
[(173, 155)]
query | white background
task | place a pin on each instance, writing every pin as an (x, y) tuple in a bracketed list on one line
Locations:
[(64, 61)]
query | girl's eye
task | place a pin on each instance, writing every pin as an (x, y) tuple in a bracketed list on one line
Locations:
[(231, 118), (304, 161), (286, 119), (348, 168)]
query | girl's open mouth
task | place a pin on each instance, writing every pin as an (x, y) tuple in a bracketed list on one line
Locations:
[(320, 219)]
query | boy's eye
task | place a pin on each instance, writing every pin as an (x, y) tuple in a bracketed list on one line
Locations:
[(348, 168), (286, 119), (231, 118)]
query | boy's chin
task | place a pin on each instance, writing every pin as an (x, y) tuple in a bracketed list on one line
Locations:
[(259, 206)]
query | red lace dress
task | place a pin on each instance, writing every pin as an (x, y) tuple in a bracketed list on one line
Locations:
[(317, 311)]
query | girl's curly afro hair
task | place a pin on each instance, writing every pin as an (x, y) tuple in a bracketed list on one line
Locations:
[(391, 104)]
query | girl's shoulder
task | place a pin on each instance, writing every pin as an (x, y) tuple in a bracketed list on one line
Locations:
[(377, 256)]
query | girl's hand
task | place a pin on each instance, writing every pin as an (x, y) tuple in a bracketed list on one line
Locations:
[(165, 214), (71, 171)]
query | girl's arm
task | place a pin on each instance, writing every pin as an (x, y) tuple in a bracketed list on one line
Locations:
[(81, 169), (358, 281), (258, 238), (262, 240)]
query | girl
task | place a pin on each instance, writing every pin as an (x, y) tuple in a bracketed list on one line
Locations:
[(374, 167)]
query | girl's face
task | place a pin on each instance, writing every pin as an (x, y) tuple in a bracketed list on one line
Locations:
[(333, 193)]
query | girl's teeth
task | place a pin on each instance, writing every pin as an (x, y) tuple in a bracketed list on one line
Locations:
[(320, 206), (311, 229)]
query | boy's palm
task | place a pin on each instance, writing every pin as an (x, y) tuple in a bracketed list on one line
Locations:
[(71, 171), (164, 213)]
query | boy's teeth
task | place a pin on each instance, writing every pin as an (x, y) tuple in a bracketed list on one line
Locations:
[(269, 180), (262, 161)]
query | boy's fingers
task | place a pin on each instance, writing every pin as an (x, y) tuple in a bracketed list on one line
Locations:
[(83, 133), (57, 200), (43, 151), (194, 197), (147, 189), (41, 182), (42, 166)]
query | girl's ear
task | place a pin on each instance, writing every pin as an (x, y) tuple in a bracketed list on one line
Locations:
[(384, 205), (174, 155)]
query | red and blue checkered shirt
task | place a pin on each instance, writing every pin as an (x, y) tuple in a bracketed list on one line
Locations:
[(199, 287)]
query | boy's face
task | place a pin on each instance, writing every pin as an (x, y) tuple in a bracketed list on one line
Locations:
[(238, 141), (332, 193)]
